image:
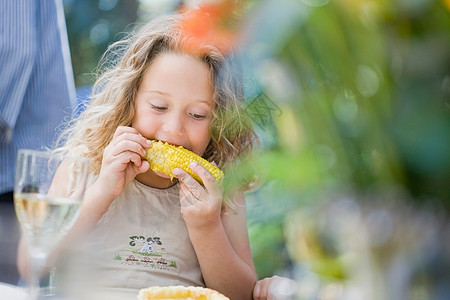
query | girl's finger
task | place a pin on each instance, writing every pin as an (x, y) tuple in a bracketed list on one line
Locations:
[(128, 156), (257, 291), (190, 187), (143, 167), (186, 198), (135, 137), (128, 145), (209, 181), (124, 129), (185, 178)]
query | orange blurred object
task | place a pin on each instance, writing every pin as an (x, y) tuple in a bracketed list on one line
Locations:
[(213, 23)]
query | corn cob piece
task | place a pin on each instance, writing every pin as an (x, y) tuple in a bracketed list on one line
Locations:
[(164, 157), (180, 292)]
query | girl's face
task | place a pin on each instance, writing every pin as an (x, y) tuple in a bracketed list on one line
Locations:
[(174, 102)]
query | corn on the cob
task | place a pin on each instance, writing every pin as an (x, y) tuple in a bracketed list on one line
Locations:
[(164, 157)]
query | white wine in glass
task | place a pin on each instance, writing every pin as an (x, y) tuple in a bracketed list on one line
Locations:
[(47, 197)]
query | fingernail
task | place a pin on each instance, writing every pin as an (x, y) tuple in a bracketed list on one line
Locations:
[(193, 164), (178, 173)]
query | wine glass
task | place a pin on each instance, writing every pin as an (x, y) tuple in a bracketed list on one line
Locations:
[(47, 198)]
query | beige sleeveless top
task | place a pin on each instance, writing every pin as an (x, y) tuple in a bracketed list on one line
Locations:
[(141, 241)]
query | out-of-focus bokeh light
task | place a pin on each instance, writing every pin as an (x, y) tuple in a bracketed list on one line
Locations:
[(100, 32), (107, 5)]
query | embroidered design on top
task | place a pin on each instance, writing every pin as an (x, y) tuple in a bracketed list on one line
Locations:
[(146, 244), (145, 254)]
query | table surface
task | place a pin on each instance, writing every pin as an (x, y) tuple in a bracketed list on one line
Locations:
[(12, 292)]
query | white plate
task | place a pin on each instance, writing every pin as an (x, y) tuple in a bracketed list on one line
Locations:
[(12, 292)]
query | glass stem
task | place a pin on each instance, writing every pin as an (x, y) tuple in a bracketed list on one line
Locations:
[(37, 263)]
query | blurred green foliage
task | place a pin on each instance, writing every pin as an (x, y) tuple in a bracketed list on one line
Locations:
[(364, 92), (370, 97)]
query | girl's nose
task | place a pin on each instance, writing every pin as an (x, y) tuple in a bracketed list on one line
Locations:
[(174, 124)]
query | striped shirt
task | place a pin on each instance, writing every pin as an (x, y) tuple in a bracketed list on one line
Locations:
[(36, 80)]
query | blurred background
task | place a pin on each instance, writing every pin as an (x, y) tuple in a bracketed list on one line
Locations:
[(351, 99)]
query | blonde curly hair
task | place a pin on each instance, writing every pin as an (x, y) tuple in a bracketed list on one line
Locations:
[(120, 72)]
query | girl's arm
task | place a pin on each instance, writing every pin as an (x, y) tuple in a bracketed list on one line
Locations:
[(220, 240)]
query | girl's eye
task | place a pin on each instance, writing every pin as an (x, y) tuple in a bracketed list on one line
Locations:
[(198, 116), (159, 108)]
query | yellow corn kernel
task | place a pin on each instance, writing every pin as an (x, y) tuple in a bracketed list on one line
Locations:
[(164, 157)]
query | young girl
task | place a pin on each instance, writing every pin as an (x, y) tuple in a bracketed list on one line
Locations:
[(142, 228)]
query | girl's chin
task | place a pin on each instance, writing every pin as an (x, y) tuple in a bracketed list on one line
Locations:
[(156, 179), (163, 175)]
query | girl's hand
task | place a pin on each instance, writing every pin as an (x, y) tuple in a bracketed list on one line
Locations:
[(274, 288), (200, 205), (122, 160)]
